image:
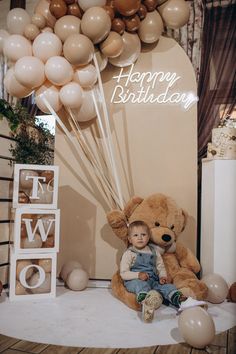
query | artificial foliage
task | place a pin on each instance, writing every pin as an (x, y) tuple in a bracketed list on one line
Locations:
[(33, 142)]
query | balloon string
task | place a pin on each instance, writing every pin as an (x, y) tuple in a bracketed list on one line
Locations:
[(69, 136), (109, 138)]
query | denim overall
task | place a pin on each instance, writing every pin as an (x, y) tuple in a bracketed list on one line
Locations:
[(146, 262)]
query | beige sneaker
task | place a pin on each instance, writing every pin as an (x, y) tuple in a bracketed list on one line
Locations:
[(152, 302)]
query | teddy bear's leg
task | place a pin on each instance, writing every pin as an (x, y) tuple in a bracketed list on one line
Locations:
[(122, 294), (187, 282)]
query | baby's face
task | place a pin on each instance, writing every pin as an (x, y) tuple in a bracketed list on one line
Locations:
[(138, 237)]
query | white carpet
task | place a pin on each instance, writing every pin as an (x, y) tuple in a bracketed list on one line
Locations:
[(94, 318)]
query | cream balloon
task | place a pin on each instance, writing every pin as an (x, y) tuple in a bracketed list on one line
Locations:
[(87, 110), (96, 24), (78, 49), (86, 4), (58, 70), (3, 35), (46, 264), (17, 19), (13, 87), (16, 47), (38, 20), (68, 267), (29, 71), (196, 327), (46, 45), (51, 93), (86, 76), (24, 179), (131, 51), (35, 243), (31, 31), (45, 287), (175, 13), (66, 26), (77, 280), (71, 95), (20, 265), (113, 45), (217, 288), (151, 27), (42, 8)]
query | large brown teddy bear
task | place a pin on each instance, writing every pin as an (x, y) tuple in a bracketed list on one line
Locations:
[(166, 221)]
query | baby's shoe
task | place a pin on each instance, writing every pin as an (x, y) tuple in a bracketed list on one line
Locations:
[(190, 302), (152, 301)]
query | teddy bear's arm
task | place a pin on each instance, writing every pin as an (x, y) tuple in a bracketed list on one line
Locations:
[(118, 223), (186, 258)]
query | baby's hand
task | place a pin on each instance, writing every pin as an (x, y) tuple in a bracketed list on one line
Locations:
[(163, 280), (143, 276)]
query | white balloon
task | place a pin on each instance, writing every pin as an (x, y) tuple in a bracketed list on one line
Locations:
[(86, 4), (87, 110), (58, 70), (68, 267), (3, 35), (71, 95), (51, 93), (47, 45), (16, 47), (77, 280), (29, 71), (17, 19), (86, 76), (13, 87)]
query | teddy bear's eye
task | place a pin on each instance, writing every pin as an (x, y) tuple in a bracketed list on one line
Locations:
[(157, 223), (172, 227)]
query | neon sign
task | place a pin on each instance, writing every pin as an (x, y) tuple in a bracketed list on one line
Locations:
[(147, 83)]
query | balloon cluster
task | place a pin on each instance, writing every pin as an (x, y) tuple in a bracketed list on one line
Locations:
[(51, 53), (74, 276)]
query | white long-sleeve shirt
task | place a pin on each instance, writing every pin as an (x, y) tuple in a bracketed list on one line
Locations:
[(129, 257)]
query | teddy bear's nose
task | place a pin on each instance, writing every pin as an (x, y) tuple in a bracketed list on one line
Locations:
[(166, 237)]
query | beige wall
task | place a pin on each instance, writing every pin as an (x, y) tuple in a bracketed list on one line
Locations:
[(155, 152)]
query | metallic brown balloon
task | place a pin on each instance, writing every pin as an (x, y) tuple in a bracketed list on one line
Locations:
[(142, 12), (58, 8), (150, 4), (132, 23), (74, 10), (127, 8), (110, 11), (118, 25)]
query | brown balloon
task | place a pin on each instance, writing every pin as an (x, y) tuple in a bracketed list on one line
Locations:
[(142, 12), (74, 10), (150, 4), (110, 11), (69, 2), (58, 8), (127, 8), (23, 198), (132, 23), (118, 25), (49, 175)]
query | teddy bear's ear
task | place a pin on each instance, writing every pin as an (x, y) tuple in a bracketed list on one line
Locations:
[(185, 215), (131, 206), (118, 223)]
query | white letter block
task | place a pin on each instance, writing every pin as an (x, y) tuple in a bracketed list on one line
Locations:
[(36, 230), (32, 276), (35, 186)]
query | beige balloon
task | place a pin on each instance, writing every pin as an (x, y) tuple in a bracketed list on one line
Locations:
[(77, 280), (151, 27), (47, 29), (43, 288), (217, 288), (131, 51), (17, 19), (35, 243), (196, 327), (3, 35), (87, 110), (175, 13), (47, 45), (13, 87), (20, 265), (96, 24), (38, 20), (31, 31), (42, 8), (66, 26), (71, 95), (78, 49), (16, 47), (58, 70), (25, 181), (113, 45), (86, 4), (46, 264), (20, 289), (29, 71), (68, 267), (86, 76), (51, 93)]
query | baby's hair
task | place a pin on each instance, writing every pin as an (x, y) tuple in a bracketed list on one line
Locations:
[(138, 223)]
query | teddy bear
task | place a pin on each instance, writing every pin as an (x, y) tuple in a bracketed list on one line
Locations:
[(166, 221)]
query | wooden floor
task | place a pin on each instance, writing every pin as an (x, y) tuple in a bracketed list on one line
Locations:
[(224, 343)]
